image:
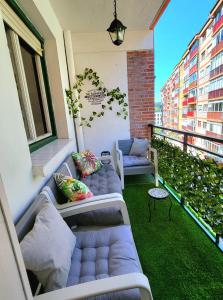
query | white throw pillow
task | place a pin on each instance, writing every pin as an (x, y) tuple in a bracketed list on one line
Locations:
[(139, 147), (48, 247)]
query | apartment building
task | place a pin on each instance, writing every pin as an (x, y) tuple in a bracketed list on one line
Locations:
[(193, 95)]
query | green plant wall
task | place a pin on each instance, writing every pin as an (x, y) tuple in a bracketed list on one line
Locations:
[(198, 181)]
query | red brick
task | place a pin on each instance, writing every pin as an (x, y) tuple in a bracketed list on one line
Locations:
[(140, 68)]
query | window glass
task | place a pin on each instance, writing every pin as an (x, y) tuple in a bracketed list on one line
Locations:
[(28, 56)]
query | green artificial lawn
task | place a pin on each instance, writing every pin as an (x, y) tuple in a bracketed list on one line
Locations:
[(180, 261)]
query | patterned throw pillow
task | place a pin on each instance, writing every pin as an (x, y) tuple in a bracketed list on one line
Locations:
[(72, 188), (86, 162)]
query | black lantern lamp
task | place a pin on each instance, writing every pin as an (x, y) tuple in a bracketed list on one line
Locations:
[(116, 29)]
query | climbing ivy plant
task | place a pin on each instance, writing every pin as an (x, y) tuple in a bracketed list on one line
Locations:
[(198, 181), (112, 96)]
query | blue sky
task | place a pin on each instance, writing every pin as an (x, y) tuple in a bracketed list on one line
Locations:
[(175, 29)]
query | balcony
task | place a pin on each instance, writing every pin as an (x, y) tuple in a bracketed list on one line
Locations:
[(218, 25), (214, 135), (191, 114), (193, 53), (217, 49), (215, 94), (193, 69), (192, 100), (216, 72), (185, 91), (193, 85), (190, 128), (184, 103), (215, 116)]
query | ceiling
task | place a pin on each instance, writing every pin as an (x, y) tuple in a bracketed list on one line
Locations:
[(96, 15)]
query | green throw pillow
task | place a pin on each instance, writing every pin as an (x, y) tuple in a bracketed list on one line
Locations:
[(72, 188)]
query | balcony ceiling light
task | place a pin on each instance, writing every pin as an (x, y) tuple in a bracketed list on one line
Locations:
[(116, 29)]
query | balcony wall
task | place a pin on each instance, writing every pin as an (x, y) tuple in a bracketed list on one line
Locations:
[(216, 72), (193, 85), (215, 135), (15, 158), (193, 69), (215, 94), (191, 114), (193, 53), (215, 116), (217, 49), (192, 100), (184, 103), (130, 67), (218, 25)]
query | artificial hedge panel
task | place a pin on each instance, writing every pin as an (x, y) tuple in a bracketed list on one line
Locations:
[(198, 181)]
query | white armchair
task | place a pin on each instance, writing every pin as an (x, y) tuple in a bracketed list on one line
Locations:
[(133, 165)]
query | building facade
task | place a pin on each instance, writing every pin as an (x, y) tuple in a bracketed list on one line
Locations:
[(193, 95)]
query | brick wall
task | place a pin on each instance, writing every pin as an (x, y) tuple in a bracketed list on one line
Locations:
[(140, 66)]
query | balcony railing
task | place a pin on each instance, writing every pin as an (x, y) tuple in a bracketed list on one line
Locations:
[(215, 94), (217, 49), (193, 69), (191, 114), (215, 115), (216, 72), (191, 100), (193, 175), (218, 25)]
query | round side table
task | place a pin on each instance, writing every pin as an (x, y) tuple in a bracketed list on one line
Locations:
[(158, 194)]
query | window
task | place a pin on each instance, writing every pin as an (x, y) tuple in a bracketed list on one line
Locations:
[(195, 45), (218, 15), (204, 125), (27, 61), (216, 84), (217, 61), (193, 62), (193, 77), (203, 55), (215, 128), (216, 106), (218, 38), (209, 49), (192, 93), (199, 123)]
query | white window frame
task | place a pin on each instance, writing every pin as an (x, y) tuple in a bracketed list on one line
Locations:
[(25, 93)]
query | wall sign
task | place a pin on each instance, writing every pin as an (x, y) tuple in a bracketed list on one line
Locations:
[(95, 97)]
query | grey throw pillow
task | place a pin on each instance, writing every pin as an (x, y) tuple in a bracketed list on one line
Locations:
[(139, 147), (48, 247)]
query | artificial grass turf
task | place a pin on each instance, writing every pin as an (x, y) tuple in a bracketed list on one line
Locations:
[(180, 261)]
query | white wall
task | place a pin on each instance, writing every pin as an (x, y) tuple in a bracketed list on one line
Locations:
[(15, 160), (96, 50)]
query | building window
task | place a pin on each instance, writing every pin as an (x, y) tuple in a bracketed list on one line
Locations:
[(216, 106), (204, 125), (217, 61), (28, 62), (218, 38), (203, 55), (215, 128), (193, 77), (216, 84)]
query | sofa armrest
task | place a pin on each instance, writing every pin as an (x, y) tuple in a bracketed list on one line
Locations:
[(102, 286), (119, 157), (97, 204)]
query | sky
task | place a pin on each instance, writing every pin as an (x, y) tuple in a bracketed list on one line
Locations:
[(175, 29)]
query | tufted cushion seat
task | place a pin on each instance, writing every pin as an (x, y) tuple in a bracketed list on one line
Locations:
[(104, 181), (131, 161), (104, 253)]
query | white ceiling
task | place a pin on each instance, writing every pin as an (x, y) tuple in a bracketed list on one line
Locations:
[(96, 15)]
